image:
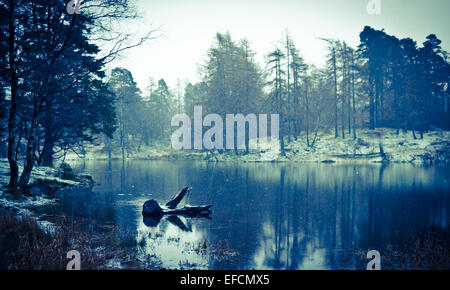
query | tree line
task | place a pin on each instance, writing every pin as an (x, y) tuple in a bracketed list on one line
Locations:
[(384, 82), (143, 118), (56, 94)]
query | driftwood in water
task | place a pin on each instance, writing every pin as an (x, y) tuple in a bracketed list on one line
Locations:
[(153, 209), (178, 198)]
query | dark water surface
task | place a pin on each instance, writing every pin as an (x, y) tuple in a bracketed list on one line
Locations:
[(266, 216)]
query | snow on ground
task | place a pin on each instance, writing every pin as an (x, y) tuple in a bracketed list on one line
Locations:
[(269, 150), (22, 204), (366, 147), (25, 202), (38, 173), (159, 152), (435, 146), (402, 148)]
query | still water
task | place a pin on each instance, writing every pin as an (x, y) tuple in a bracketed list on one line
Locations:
[(266, 216)]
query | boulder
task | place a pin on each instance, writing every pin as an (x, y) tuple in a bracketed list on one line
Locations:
[(152, 208)]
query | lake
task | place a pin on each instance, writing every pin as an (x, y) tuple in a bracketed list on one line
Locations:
[(265, 216)]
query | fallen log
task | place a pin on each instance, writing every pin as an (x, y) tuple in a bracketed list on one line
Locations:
[(178, 198), (152, 208)]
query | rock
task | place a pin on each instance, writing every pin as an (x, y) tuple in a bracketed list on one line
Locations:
[(86, 181), (152, 208)]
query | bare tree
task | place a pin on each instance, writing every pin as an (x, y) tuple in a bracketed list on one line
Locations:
[(333, 60)]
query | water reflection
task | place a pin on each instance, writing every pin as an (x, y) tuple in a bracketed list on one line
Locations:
[(153, 221), (270, 216), (169, 245)]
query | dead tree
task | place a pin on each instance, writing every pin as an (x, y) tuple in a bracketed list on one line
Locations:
[(152, 208)]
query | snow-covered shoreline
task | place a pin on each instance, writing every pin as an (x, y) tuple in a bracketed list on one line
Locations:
[(403, 148), (41, 176)]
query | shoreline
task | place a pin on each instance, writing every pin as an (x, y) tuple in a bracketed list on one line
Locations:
[(18, 209), (378, 146), (44, 189)]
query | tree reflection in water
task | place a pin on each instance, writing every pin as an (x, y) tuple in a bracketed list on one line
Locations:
[(271, 216), (170, 242)]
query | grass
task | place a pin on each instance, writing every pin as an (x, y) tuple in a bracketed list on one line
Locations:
[(25, 246), (425, 250), (429, 250)]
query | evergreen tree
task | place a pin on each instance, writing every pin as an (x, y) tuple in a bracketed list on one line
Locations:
[(128, 101)]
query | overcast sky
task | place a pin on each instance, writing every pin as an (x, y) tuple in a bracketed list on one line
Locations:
[(188, 28)]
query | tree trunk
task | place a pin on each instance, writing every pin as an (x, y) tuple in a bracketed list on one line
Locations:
[(121, 128), (281, 131), (353, 95), (336, 130), (381, 120), (346, 92), (349, 106), (47, 151), (247, 138), (173, 203), (396, 108), (343, 115), (343, 102), (448, 105), (316, 131), (288, 88), (371, 105), (49, 142), (307, 112), (12, 126), (14, 169), (108, 145), (29, 157)]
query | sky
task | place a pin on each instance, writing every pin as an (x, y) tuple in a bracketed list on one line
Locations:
[(187, 28)]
